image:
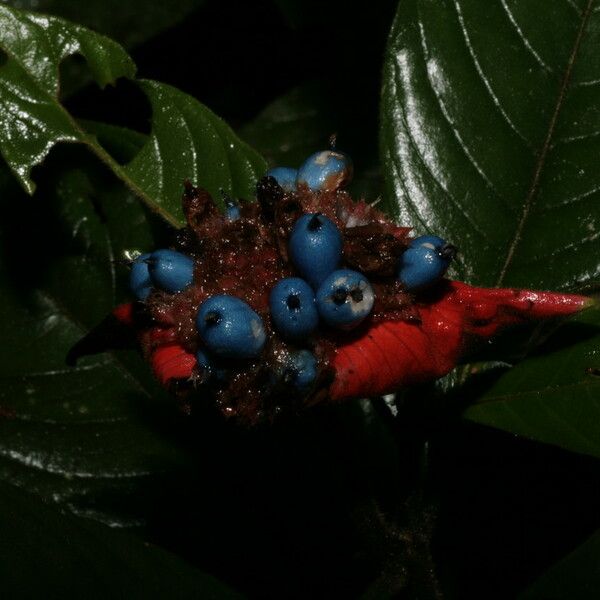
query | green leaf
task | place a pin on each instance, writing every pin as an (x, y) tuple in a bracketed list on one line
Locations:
[(46, 554), (489, 135), (576, 577), (94, 437), (294, 125), (552, 396), (188, 141), (130, 22), (33, 118)]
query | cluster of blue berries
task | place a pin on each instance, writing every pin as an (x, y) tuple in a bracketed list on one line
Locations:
[(341, 298)]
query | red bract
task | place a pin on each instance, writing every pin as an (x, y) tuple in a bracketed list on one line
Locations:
[(395, 353)]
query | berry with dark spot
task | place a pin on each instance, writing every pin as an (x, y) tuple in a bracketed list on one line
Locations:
[(315, 247), (293, 309), (425, 262), (230, 328), (345, 299)]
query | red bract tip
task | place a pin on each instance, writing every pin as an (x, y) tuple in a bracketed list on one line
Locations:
[(172, 362), (395, 353), (124, 313)]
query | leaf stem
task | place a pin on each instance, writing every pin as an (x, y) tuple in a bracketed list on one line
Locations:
[(92, 143)]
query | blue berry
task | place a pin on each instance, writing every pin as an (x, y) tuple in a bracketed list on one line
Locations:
[(230, 328), (425, 261), (315, 247), (232, 210), (325, 171), (139, 277), (300, 370), (345, 298), (293, 310), (285, 177), (210, 368), (170, 271)]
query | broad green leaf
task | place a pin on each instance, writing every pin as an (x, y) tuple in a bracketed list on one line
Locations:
[(554, 395), (188, 141), (576, 577), (45, 554), (33, 120), (489, 135), (90, 437)]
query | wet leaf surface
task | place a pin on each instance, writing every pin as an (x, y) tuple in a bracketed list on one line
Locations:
[(45, 553), (187, 141), (553, 396), (489, 127)]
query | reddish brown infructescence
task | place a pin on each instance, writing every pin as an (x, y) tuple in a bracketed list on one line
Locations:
[(410, 336)]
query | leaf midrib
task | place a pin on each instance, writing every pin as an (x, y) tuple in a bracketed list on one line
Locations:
[(540, 162)]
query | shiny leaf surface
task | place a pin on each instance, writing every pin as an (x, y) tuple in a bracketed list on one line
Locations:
[(130, 23), (91, 436), (33, 118), (489, 132), (188, 141), (553, 395), (46, 554)]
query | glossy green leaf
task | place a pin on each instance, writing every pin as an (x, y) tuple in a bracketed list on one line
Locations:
[(188, 141), (489, 135), (130, 23), (91, 437), (45, 554), (576, 577), (33, 120), (553, 396)]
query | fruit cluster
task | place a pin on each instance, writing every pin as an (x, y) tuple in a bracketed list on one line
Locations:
[(305, 296), (258, 295)]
